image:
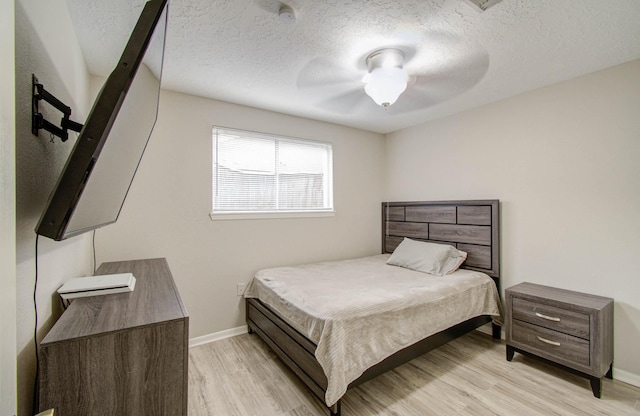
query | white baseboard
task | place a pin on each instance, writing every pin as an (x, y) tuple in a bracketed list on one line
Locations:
[(626, 377), (217, 336)]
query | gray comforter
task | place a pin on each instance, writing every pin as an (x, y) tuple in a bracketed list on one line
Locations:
[(361, 311)]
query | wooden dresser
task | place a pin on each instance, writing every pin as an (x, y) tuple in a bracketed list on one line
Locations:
[(572, 329), (120, 354)]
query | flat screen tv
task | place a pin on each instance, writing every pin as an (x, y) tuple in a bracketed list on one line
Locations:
[(96, 178)]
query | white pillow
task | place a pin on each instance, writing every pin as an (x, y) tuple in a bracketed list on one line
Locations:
[(432, 258)]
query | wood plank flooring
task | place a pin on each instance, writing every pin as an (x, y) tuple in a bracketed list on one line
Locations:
[(240, 376)]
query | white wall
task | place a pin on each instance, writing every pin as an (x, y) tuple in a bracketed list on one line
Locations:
[(47, 47), (167, 210), (8, 368), (564, 161)]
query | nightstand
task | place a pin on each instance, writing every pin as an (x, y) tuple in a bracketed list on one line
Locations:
[(570, 329)]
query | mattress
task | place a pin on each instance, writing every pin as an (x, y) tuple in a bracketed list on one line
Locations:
[(360, 311)]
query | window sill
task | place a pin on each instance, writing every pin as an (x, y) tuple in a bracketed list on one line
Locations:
[(218, 216)]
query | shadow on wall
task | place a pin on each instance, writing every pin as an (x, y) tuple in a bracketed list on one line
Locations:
[(27, 361), (39, 161), (627, 321)]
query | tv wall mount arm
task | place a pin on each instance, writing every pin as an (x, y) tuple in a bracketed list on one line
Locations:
[(38, 121)]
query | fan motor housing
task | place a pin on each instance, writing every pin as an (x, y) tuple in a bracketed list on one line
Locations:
[(387, 57)]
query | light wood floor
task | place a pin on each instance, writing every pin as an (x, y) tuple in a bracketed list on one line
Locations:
[(469, 376)]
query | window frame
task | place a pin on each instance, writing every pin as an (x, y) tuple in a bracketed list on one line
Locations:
[(276, 213)]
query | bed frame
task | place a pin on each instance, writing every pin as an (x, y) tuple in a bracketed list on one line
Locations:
[(471, 226)]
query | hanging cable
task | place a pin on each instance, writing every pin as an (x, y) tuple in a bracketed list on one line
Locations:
[(95, 266), (35, 330), (387, 215)]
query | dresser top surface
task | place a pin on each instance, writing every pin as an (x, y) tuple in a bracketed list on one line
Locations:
[(536, 291), (154, 300)]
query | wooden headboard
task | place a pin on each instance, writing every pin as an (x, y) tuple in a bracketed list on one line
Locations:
[(471, 226)]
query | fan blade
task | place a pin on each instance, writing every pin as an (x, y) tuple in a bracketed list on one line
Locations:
[(456, 79), (345, 103), (323, 72), (440, 84), (271, 6)]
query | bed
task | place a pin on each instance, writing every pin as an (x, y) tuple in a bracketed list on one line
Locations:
[(327, 330)]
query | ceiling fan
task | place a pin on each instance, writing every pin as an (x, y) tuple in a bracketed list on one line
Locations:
[(398, 78)]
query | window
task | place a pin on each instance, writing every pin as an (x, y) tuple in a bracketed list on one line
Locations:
[(257, 175)]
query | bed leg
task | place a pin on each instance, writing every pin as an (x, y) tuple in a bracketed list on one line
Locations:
[(335, 409), (496, 331)]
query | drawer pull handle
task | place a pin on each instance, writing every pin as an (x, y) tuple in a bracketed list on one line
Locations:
[(546, 341), (547, 317)]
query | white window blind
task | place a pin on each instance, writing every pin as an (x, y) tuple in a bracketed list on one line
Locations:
[(262, 173)]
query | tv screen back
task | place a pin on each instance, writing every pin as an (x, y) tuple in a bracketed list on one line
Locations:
[(94, 183)]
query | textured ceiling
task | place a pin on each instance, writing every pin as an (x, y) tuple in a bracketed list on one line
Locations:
[(458, 58)]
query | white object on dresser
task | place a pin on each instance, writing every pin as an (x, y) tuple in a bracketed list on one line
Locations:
[(80, 287)]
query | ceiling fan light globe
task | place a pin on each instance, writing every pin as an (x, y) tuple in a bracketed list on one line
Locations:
[(384, 85)]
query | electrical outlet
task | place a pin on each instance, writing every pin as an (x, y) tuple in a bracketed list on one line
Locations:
[(240, 288)]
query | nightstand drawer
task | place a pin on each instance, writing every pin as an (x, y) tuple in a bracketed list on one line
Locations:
[(557, 319), (551, 342)]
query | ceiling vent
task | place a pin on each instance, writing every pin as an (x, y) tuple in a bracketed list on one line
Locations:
[(482, 5)]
